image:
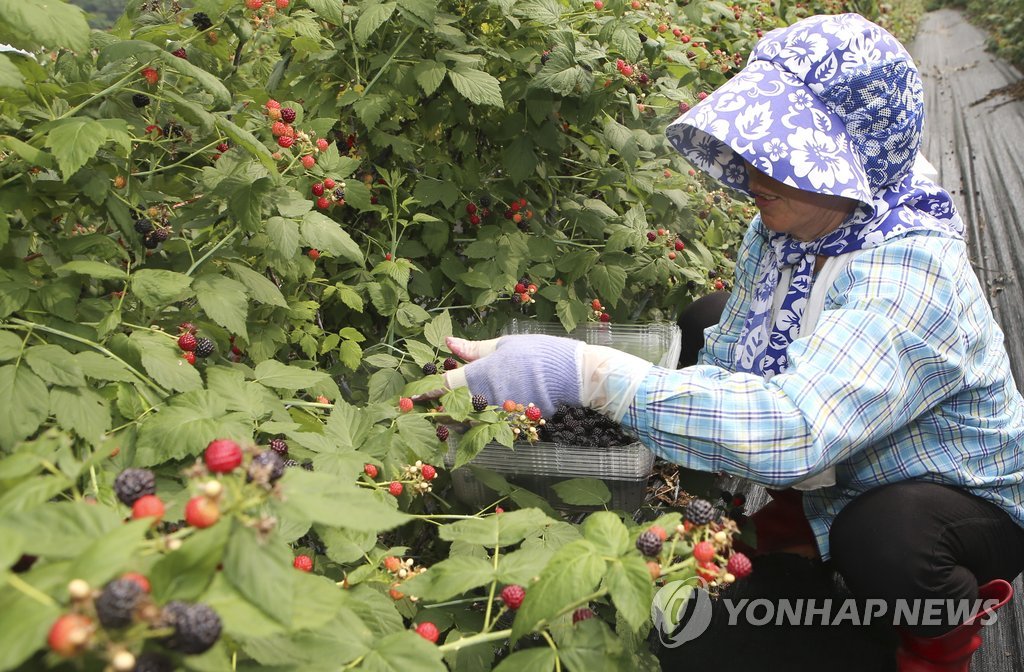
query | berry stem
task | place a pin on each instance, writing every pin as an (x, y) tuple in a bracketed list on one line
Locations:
[(488, 624), (29, 590), (478, 638), (387, 64), (551, 643), (220, 243), (183, 160), (134, 72)]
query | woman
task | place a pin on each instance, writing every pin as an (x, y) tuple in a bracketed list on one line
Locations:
[(856, 361)]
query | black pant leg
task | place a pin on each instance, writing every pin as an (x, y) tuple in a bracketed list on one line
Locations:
[(916, 540), (695, 318)]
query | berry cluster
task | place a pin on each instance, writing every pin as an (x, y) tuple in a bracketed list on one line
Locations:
[(578, 426), (667, 239), (400, 571), (526, 421), (327, 193), (265, 10), (305, 145), (192, 347), (153, 227), (201, 22), (430, 368), (418, 476), (598, 311), (478, 214), (523, 292), (519, 213), (122, 603)]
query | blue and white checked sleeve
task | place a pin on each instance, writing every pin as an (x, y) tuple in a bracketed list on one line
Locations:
[(888, 348)]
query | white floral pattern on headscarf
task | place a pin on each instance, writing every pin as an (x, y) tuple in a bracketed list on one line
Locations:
[(833, 105)]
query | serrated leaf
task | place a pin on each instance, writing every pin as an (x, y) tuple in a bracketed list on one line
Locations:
[(438, 330), (24, 403), (520, 160), (476, 86), (55, 365), (30, 23), (94, 269), (10, 345), (220, 96), (81, 410), (284, 233), (574, 572), (570, 313), (429, 75), (424, 10), (110, 554), (626, 40), (622, 140), (402, 652), (261, 571), (329, 10), (371, 107), (156, 288), (273, 373), (608, 280), (583, 492), (224, 300), (102, 367), (74, 141), (448, 578), (259, 286), (247, 141), (539, 659), (503, 529), (372, 17), (629, 582), (184, 574), (185, 427), (323, 233), (385, 385), (523, 566), (10, 76)]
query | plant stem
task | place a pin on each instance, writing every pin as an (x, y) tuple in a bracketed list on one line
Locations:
[(31, 591), (479, 638), (178, 163), (220, 243), (90, 99), (387, 63)]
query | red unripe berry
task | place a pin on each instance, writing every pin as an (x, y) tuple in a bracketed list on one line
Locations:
[(605, 317), (370, 470), (70, 635), (323, 202), (405, 404), (719, 285), (428, 471), (189, 357), (395, 488), (282, 4), (471, 209), (707, 570), (598, 5), (520, 288), (201, 512), (278, 128), (680, 246), (582, 614), (148, 506), (322, 145), (273, 105), (222, 456), (392, 564), (596, 304), (308, 161), (532, 413), (704, 551), (513, 596), (285, 141), (428, 631), (151, 75), (739, 565), (474, 220), (187, 341), (702, 95), (662, 27), (314, 254), (303, 563), (654, 568), (498, 510), (671, 255), (627, 71), (387, 256), (318, 189), (659, 531), (329, 183), (254, 4), (509, 406), (636, 4), (139, 579)]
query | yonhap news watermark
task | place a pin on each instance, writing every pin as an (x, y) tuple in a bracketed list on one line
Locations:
[(682, 611)]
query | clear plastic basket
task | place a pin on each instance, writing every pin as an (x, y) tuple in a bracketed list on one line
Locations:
[(614, 463), (657, 342)]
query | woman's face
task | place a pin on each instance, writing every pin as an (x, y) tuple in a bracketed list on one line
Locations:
[(804, 215)]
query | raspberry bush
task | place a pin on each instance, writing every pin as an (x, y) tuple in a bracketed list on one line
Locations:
[(234, 236)]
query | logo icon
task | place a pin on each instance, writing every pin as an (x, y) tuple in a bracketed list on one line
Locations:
[(681, 611)]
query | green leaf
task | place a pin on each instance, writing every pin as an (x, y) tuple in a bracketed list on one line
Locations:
[(476, 86), (285, 235), (163, 362), (24, 620), (429, 75), (246, 198), (111, 554), (259, 286), (261, 570), (184, 574), (385, 385), (224, 300), (10, 76), (156, 288), (323, 499), (186, 425), (424, 10), (62, 529), (519, 159), (273, 373), (24, 403), (540, 659), (438, 330), (94, 269), (608, 533), (448, 578), (26, 151), (626, 40), (81, 410), (608, 280), (402, 652), (583, 492), (570, 313), (10, 345), (221, 97), (55, 365), (247, 141), (498, 530), (329, 10), (523, 566), (323, 233), (102, 367), (74, 141), (629, 582), (621, 138), (30, 23), (372, 17), (574, 572)]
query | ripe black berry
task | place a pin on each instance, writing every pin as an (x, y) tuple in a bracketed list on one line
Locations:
[(201, 21), (288, 115), (700, 512), (577, 426), (485, 200), (450, 364), (479, 402), (429, 369), (140, 100), (143, 226), (151, 661), (117, 602), (204, 347), (339, 194), (516, 298), (150, 242), (161, 233), (442, 432), (266, 467), (133, 483), (279, 446), (173, 129), (196, 627), (649, 544)]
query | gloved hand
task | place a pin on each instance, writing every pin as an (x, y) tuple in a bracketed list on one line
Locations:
[(548, 371)]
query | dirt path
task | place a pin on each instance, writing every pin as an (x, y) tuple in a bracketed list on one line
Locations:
[(974, 135)]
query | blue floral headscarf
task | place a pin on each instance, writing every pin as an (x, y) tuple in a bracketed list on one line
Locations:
[(832, 105)]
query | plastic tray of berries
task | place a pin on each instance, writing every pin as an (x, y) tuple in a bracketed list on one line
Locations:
[(657, 342)]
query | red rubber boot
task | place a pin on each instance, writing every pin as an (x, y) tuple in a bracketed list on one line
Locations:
[(952, 651)]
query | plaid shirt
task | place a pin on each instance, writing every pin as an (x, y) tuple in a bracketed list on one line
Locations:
[(904, 377)]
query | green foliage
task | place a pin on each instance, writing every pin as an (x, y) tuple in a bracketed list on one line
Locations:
[(120, 222)]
